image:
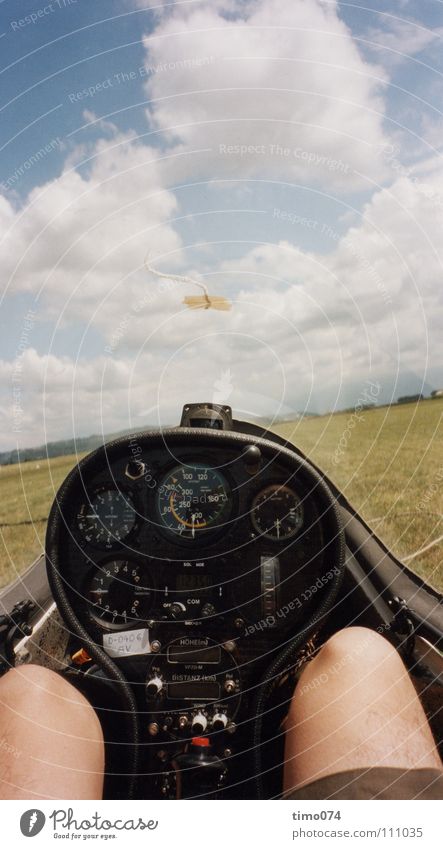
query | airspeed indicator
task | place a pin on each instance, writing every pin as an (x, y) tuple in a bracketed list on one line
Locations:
[(192, 500)]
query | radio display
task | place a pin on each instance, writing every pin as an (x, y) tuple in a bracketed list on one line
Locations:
[(194, 654), (185, 581), (194, 690)]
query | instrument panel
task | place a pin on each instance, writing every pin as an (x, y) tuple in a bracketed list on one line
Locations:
[(190, 556)]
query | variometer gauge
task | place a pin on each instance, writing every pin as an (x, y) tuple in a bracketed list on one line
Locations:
[(119, 593), (277, 512), (193, 499), (107, 518)]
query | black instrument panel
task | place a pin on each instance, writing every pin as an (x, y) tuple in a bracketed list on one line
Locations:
[(201, 538), (190, 556)]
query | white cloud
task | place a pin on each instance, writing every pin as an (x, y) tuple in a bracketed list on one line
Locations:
[(56, 397), (82, 237), (303, 327), (398, 40), (275, 74)]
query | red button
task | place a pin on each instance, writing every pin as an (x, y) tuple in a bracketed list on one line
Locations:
[(200, 741)]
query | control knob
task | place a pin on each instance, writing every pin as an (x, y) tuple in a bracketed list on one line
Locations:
[(199, 723), (177, 610), (154, 686), (219, 721), (208, 609)]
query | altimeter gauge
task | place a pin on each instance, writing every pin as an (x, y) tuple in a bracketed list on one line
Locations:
[(277, 512), (120, 592), (107, 518)]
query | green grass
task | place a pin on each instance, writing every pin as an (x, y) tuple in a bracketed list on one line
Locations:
[(27, 491), (390, 469)]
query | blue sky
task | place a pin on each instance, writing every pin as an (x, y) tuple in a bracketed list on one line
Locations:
[(286, 154)]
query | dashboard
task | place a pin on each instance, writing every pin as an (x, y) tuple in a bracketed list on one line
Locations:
[(190, 556)]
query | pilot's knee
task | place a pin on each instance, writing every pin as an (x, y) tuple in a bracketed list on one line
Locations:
[(44, 691), (37, 695), (36, 681), (19, 680), (353, 652), (358, 648)]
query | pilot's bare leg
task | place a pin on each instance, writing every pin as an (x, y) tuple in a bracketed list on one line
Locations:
[(51, 743), (355, 707)]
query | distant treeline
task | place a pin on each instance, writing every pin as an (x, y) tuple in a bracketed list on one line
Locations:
[(52, 449), (412, 399)]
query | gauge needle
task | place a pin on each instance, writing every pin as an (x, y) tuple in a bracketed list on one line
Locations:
[(277, 525), (193, 525)]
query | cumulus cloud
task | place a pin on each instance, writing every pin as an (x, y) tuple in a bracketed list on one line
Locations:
[(305, 331), (56, 397), (82, 237), (237, 80), (398, 40)]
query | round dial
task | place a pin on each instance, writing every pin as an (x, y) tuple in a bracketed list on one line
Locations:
[(277, 512), (107, 518), (119, 593), (193, 499)]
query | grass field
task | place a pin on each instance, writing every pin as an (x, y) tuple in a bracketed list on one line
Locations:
[(26, 494), (388, 462), (390, 468)]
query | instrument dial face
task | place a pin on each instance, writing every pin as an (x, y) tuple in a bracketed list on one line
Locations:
[(120, 592), (277, 512), (107, 518), (192, 500)]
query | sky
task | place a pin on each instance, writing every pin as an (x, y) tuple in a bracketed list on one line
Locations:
[(288, 155)]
